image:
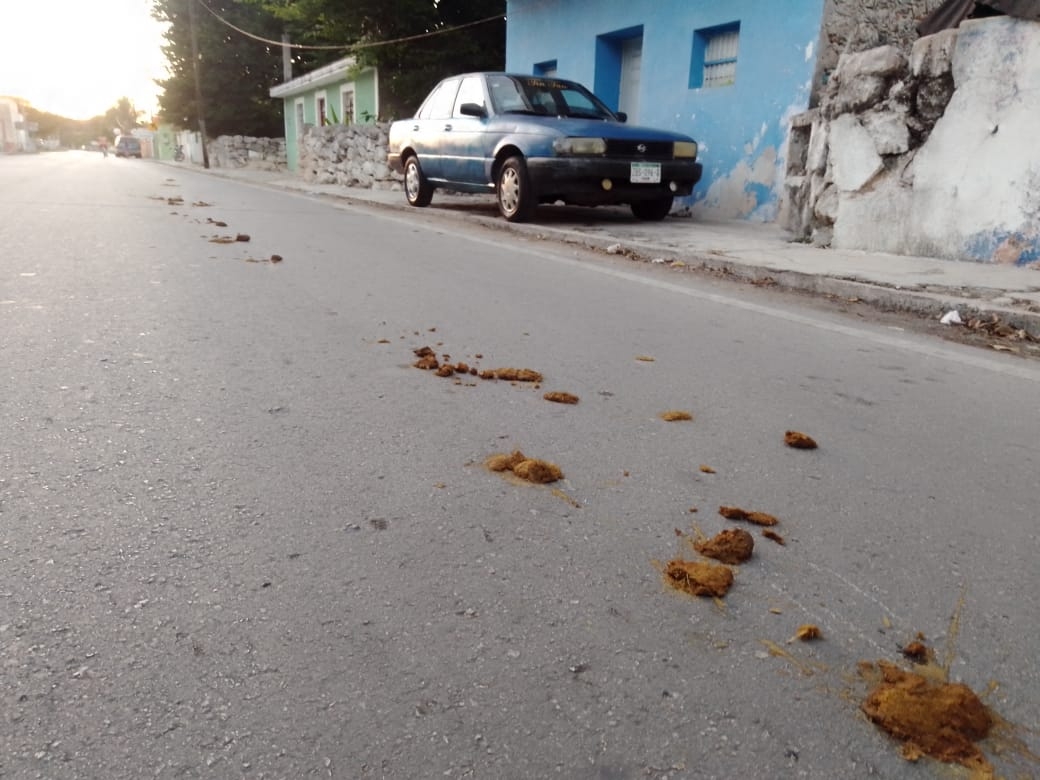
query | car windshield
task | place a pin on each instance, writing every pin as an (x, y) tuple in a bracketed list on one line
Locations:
[(545, 97)]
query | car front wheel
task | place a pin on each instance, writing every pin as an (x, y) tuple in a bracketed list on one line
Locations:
[(652, 210), (516, 197), (417, 189)]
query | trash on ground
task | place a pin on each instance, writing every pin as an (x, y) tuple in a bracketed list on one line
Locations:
[(222, 240), (952, 317), (675, 415), (732, 546), (799, 441), (614, 249), (939, 719), (645, 358), (698, 578), (558, 397), (736, 513), (706, 469), (540, 472)]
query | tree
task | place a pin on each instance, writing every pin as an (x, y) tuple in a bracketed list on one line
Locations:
[(408, 69), (123, 116), (236, 71)]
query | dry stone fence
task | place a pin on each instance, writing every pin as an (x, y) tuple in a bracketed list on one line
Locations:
[(350, 155)]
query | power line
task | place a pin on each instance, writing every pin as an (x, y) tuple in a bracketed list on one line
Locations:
[(344, 47)]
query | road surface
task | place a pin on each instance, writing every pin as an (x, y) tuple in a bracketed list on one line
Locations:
[(242, 536)]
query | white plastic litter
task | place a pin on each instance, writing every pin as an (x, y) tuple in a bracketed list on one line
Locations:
[(614, 249), (952, 318)]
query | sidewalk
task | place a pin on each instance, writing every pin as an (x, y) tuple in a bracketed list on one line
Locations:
[(748, 251)]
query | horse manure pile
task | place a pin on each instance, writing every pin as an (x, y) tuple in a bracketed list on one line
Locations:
[(736, 513), (799, 441), (698, 578), (539, 472), (675, 415), (731, 546), (561, 398), (943, 720)]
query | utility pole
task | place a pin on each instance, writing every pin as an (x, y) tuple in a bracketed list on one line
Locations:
[(198, 84), (286, 58)]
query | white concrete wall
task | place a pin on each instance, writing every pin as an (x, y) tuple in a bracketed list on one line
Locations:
[(977, 178)]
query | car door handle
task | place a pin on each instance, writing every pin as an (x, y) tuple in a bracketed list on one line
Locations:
[(415, 127), (447, 128)]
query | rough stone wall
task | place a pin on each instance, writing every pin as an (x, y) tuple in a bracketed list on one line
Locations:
[(876, 110), (239, 151), (858, 25), (351, 155), (932, 154)]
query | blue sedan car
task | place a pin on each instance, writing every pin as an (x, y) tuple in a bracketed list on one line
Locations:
[(535, 139)]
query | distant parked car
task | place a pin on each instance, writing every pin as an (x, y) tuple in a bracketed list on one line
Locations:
[(127, 146), (534, 139)]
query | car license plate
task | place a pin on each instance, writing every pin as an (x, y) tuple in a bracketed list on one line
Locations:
[(646, 173)]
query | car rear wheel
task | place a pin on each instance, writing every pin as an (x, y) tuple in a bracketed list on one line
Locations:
[(417, 189), (653, 210), (516, 197)]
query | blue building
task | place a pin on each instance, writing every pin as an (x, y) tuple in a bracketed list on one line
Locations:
[(731, 74)]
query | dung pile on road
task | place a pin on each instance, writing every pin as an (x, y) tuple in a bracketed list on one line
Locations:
[(540, 472), (943, 720)]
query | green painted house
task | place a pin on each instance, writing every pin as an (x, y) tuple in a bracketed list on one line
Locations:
[(338, 93)]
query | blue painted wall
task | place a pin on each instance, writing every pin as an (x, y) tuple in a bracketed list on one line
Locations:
[(742, 128)]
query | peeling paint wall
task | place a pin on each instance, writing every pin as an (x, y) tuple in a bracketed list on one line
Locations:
[(742, 127)]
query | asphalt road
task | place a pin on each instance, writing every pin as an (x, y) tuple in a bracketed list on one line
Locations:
[(241, 536)]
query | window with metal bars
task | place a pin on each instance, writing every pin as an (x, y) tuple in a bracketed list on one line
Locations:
[(714, 60)]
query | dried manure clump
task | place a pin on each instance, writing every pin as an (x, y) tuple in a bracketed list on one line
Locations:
[(512, 374), (502, 462), (561, 398), (731, 546), (941, 720), (675, 415), (799, 441), (917, 651), (807, 633), (698, 578), (540, 472), (736, 513), (773, 536), (706, 469)]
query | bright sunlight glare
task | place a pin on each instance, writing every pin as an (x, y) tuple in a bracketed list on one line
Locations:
[(77, 58)]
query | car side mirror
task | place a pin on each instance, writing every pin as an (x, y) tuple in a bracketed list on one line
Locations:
[(621, 116), (472, 109)]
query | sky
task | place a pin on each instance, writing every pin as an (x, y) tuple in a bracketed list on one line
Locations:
[(76, 58)]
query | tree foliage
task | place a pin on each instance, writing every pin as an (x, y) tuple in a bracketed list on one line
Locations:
[(123, 116), (407, 70), (237, 72)]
